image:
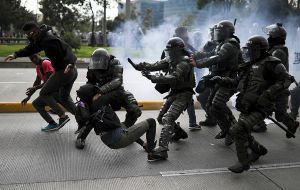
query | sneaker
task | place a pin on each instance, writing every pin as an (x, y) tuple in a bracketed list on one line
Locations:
[(149, 147), (63, 121), (50, 127), (193, 127), (239, 168)]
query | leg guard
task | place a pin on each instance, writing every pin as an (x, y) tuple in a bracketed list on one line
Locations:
[(220, 110), (256, 148)]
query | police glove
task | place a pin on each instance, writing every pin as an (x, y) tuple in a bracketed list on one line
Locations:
[(141, 66), (147, 75)]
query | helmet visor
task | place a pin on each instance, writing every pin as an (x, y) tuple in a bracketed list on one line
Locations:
[(219, 34), (172, 53), (99, 62), (246, 54)]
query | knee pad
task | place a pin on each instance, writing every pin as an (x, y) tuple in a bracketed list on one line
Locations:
[(236, 130), (217, 107)]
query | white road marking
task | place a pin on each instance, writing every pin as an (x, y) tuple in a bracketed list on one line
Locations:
[(225, 170)]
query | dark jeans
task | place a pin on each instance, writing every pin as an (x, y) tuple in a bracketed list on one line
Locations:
[(57, 90), (203, 99), (124, 137)]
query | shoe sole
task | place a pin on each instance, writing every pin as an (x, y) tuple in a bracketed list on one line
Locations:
[(157, 159), (194, 128)]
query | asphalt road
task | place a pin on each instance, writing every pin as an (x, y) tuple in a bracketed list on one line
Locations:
[(31, 159)]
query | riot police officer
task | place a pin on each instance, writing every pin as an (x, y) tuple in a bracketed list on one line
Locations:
[(277, 36), (182, 33), (223, 62), (262, 80), (181, 81)]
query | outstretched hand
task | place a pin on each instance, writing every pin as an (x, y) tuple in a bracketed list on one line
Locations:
[(24, 101)]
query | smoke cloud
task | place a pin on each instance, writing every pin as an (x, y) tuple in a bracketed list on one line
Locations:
[(251, 19)]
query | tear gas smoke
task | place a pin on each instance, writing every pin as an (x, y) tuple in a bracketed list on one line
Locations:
[(148, 46)]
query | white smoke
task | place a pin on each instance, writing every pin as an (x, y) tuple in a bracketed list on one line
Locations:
[(251, 20)]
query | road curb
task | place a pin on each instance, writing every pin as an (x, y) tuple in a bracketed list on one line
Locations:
[(16, 107)]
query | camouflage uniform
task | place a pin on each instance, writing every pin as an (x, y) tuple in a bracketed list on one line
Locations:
[(223, 63), (181, 80)]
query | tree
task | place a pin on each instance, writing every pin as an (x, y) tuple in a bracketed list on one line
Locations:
[(72, 40), (13, 14), (61, 13)]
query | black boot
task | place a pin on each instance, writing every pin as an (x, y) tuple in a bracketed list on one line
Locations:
[(208, 122), (179, 133), (257, 150), (221, 135), (80, 143), (239, 167), (256, 155)]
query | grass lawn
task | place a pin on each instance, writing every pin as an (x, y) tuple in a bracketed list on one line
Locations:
[(84, 51)]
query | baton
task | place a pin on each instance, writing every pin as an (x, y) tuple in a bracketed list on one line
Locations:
[(281, 126), (131, 63)]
